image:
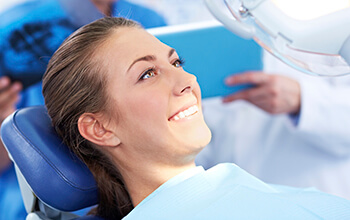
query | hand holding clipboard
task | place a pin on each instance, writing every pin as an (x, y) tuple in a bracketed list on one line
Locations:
[(274, 94)]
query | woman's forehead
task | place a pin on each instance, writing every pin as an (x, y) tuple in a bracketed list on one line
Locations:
[(135, 40), (127, 44)]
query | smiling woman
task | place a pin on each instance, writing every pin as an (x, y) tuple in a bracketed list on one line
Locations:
[(106, 84), (122, 102)]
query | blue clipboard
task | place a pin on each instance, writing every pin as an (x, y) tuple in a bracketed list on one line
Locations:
[(212, 53)]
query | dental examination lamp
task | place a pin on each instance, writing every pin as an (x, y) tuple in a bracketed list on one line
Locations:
[(312, 36)]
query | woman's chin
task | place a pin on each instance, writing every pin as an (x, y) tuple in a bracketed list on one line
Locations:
[(199, 138)]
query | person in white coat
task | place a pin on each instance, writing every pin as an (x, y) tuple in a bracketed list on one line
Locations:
[(290, 128)]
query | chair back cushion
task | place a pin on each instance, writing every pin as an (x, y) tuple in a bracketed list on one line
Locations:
[(56, 176)]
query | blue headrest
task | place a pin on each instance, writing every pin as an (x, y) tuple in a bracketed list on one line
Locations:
[(55, 174)]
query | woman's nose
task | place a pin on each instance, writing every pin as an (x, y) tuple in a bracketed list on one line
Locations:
[(184, 82)]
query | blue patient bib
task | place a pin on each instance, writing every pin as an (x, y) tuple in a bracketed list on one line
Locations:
[(227, 192)]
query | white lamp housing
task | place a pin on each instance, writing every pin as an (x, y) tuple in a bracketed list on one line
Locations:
[(318, 46)]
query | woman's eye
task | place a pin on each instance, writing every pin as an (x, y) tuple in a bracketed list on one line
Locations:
[(148, 74), (178, 63)]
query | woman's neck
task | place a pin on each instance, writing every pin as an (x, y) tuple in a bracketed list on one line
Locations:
[(142, 180)]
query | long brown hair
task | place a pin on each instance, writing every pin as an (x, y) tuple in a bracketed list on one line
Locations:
[(75, 83)]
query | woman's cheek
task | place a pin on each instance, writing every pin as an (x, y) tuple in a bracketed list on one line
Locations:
[(148, 106)]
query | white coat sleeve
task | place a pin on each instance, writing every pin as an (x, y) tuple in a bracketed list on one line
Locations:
[(324, 116)]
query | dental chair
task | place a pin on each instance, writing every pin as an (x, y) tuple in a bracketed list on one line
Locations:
[(53, 181)]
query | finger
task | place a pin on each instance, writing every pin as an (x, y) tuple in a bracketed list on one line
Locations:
[(264, 105), (7, 111), (10, 100), (271, 106), (4, 82), (256, 78), (9, 93), (250, 95), (9, 107)]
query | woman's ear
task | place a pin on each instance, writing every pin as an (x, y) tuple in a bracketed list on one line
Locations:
[(94, 128)]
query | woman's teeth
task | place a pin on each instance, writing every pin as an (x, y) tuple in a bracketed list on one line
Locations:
[(188, 112)]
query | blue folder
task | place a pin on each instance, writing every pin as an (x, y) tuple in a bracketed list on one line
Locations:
[(212, 53)]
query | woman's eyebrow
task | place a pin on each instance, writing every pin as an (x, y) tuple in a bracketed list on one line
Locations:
[(145, 58), (172, 50), (150, 58)]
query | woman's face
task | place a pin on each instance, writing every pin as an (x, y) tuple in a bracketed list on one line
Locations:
[(155, 104)]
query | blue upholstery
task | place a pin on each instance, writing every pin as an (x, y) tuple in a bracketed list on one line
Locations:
[(57, 177)]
